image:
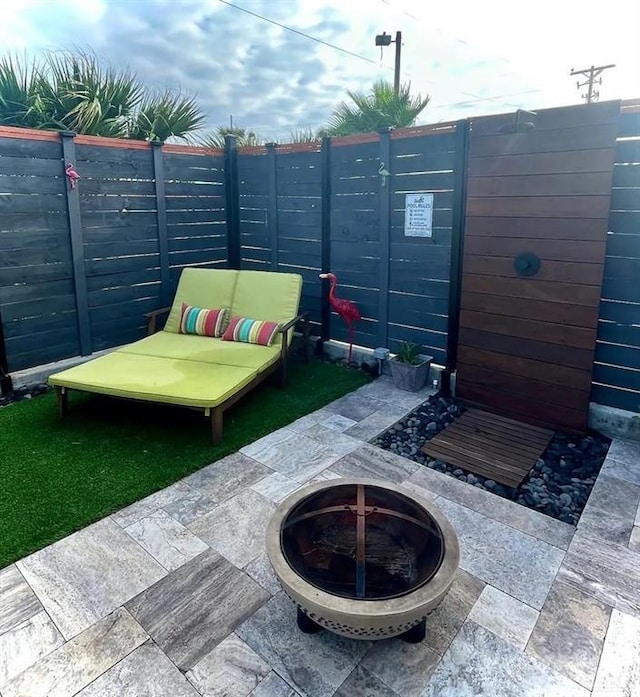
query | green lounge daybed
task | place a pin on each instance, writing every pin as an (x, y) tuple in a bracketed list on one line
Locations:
[(192, 370)]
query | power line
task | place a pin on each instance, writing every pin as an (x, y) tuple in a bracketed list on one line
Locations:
[(300, 33)]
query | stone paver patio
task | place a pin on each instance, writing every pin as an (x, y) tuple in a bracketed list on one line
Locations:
[(173, 596)]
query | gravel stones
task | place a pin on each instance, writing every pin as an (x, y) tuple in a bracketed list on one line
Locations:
[(558, 485)]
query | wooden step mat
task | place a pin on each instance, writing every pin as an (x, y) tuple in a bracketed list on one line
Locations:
[(490, 445)]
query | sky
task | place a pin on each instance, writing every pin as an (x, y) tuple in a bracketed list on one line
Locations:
[(472, 57)]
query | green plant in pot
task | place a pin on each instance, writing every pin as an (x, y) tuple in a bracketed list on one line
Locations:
[(409, 369)]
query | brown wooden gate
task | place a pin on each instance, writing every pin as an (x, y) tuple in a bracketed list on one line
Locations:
[(539, 195)]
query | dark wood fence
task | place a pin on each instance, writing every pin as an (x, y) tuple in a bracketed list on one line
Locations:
[(79, 268), (616, 373)]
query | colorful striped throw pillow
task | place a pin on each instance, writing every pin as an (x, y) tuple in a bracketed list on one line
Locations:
[(251, 331), (196, 320)]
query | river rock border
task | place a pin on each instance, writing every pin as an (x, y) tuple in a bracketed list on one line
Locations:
[(558, 485)]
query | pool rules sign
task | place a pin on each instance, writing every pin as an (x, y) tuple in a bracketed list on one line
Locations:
[(418, 215)]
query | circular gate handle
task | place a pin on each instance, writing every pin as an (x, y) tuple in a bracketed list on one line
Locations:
[(527, 264)]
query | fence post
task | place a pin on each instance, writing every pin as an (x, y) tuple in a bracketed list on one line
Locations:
[(232, 191), (385, 236), (5, 379), (272, 206), (161, 214), (325, 236), (77, 247), (457, 247)]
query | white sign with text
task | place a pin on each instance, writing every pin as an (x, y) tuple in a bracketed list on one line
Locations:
[(418, 215)]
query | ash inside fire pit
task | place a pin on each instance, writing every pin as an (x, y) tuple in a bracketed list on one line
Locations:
[(362, 541)]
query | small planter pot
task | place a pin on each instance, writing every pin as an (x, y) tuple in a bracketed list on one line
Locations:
[(410, 377)]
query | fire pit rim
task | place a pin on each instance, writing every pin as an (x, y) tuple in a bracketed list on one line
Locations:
[(431, 591)]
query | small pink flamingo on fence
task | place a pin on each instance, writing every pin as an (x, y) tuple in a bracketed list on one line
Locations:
[(72, 174)]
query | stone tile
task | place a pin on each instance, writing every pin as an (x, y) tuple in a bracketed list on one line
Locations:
[(237, 527), (619, 669), (232, 669), (445, 621), (404, 667), (384, 390), (25, 643), (337, 422), (615, 496), (376, 423), (513, 562), (625, 451), (549, 530), (505, 616), (355, 406), (77, 663), (637, 518), (570, 633), (480, 664), (227, 477), (607, 527), (190, 507), (363, 683), (297, 456), (168, 542), (338, 442), (375, 463), (87, 575), (190, 611), (147, 672), (275, 487), (274, 686), (18, 603), (607, 572), (180, 491), (304, 422), (634, 540), (314, 664), (625, 470), (261, 572)]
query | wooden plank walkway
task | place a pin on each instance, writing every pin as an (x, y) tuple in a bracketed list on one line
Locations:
[(492, 446)]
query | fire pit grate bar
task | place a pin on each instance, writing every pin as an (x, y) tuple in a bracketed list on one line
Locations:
[(360, 540)]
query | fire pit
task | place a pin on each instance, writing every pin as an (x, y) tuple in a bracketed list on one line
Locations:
[(364, 559)]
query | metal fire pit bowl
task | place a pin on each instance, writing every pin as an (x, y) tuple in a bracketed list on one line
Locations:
[(362, 558)]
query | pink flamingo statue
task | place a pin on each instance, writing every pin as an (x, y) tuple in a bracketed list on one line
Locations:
[(72, 174), (347, 309)]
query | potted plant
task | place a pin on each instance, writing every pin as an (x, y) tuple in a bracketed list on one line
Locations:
[(410, 370)]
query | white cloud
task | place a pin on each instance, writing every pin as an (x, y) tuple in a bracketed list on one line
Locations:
[(472, 57)]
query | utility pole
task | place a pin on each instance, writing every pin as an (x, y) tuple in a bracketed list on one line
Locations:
[(384, 39), (591, 74)]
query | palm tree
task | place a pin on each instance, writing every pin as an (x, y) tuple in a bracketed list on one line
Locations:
[(242, 136), (74, 91), (379, 108)]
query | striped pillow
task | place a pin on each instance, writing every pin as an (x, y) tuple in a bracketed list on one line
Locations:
[(250, 331), (195, 320)]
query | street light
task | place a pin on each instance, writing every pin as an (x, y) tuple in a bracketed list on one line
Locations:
[(384, 39)]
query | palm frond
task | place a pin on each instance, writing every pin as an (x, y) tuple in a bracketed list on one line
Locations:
[(164, 116), (242, 135), (379, 108)]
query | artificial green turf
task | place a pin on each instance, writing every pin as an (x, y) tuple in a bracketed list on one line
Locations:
[(59, 476)]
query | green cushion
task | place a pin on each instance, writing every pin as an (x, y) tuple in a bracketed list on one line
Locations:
[(207, 288), (204, 349), (267, 296), (172, 381)]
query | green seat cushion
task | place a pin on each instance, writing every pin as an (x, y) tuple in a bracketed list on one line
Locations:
[(205, 288), (204, 349), (150, 378)]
